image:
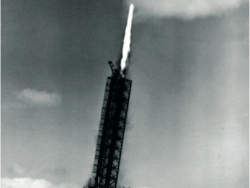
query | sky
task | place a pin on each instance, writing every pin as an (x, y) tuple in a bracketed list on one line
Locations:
[(188, 117)]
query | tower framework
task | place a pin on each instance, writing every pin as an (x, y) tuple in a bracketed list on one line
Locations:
[(111, 131)]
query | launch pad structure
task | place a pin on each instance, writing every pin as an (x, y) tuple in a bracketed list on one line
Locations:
[(111, 131)]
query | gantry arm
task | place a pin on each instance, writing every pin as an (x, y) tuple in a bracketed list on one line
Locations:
[(112, 67)]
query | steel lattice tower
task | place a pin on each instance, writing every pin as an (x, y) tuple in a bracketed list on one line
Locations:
[(111, 131)]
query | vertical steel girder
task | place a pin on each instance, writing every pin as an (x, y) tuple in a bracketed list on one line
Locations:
[(111, 133)]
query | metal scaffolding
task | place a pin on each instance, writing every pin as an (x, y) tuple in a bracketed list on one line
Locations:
[(111, 131)]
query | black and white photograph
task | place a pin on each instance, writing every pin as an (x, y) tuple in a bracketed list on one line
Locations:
[(124, 93)]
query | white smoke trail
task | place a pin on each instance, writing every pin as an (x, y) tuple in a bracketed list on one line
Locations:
[(127, 38)]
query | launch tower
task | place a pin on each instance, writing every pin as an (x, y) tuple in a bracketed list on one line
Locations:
[(111, 131)]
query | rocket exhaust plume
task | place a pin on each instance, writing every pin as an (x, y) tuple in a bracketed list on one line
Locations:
[(127, 38)]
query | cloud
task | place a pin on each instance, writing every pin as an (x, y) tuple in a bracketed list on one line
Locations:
[(182, 8), (42, 98), (18, 169), (58, 171), (32, 183)]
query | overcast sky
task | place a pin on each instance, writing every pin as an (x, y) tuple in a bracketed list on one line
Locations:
[(188, 116)]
